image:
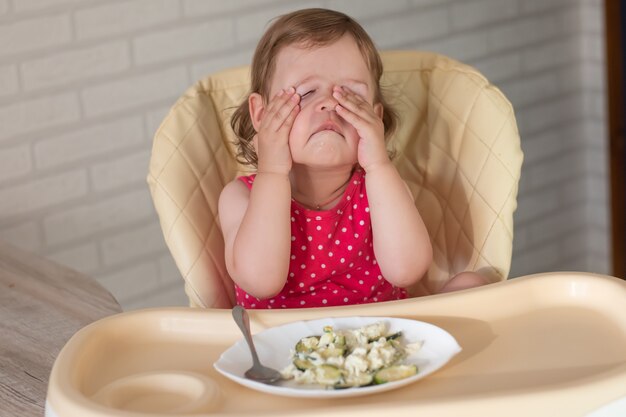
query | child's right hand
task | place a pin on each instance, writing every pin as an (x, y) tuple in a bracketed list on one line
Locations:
[(272, 139)]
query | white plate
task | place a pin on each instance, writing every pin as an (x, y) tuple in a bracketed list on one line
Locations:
[(273, 346)]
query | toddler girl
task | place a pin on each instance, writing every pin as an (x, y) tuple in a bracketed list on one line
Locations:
[(326, 220)]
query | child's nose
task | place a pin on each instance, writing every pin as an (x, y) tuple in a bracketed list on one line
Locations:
[(327, 102)]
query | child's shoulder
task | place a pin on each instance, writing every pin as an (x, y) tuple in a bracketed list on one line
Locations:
[(236, 189)]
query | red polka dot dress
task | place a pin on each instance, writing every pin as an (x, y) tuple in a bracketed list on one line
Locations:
[(332, 256)]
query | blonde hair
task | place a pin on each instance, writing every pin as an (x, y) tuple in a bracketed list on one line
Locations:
[(309, 28)]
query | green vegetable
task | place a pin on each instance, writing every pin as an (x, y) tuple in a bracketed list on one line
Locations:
[(331, 352), (346, 358), (394, 373), (307, 344), (394, 336), (303, 364), (328, 374)]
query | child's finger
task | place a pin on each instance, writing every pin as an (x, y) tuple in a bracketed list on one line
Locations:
[(271, 106), (283, 113), (279, 108), (288, 122), (350, 116), (354, 103)]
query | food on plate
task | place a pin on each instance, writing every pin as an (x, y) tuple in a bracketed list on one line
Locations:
[(351, 358)]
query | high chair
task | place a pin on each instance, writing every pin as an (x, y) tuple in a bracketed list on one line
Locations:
[(457, 147)]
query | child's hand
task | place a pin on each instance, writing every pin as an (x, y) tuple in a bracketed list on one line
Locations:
[(369, 126), (272, 139)]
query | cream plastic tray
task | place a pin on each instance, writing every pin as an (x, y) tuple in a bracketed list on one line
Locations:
[(541, 345)]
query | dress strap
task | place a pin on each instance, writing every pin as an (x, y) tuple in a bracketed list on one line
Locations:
[(248, 180)]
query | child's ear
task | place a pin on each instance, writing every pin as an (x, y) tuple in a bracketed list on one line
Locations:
[(379, 110), (256, 107)]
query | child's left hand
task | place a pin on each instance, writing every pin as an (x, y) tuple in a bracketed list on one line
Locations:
[(361, 114)]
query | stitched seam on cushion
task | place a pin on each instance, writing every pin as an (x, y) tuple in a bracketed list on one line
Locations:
[(426, 176), (203, 240), (199, 188), (196, 189), (498, 138), (467, 210), (499, 211), (496, 221), (399, 87), (161, 133), (466, 177), (479, 137), (212, 227), (180, 209), (196, 294), (208, 252), (497, 214), (443, 202), (486, 86), (221, 88), (181, 212), (457, 67), (217, 148), (163, 136), (474, 192), (195, 261), (458, 171), (177, 149), (403, 158)]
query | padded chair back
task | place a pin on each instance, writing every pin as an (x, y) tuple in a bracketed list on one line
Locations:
[(457, 147)]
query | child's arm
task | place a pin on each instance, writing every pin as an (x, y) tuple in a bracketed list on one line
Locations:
[(256, 224), (256, 228), (401, 242), (463, 281)]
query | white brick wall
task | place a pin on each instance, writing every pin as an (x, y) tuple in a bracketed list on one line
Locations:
[(109, 19), (93, 141), (85, 83), (34, 34), (17, 117), (115, 213), (42, 193), (8, 80), (15, 162), (76, 65), (474, 14), (119, 96)]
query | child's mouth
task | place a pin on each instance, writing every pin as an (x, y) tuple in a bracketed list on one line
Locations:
[(328, 126)]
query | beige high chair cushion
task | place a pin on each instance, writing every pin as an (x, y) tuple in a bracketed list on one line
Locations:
[(457, 147)]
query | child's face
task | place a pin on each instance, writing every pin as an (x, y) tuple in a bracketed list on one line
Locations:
[(319, 136)]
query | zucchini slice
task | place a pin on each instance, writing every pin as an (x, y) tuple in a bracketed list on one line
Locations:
[(332, 352), (307, 344), (394, 336), (394, 373), (303, 364), (328, 375)]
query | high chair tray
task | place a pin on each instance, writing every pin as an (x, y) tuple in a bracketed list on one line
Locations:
[(541, 345)]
